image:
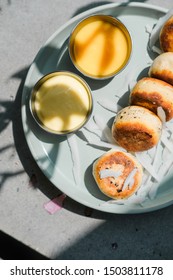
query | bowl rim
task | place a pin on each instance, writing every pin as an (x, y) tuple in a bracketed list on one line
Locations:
[(117, 22), (39, 83)]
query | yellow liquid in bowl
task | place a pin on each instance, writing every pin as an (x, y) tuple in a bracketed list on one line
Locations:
[(100, 48), (62, 103)]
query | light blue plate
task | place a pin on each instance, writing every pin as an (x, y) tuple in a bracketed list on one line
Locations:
[(52, 153)]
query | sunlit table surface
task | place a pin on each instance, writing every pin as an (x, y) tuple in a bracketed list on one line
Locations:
[(74, 231)]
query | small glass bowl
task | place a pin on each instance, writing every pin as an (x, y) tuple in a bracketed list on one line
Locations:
[(61, 102), (100, 46)]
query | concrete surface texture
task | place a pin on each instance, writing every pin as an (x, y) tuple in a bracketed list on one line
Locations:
[(74, 232)]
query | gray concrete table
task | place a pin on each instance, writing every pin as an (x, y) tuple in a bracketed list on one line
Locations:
[(74, 232)]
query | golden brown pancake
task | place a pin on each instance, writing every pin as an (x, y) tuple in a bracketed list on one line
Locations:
[(166, 36), (153, 93), (118, 174), (162, 67), (136, 129)]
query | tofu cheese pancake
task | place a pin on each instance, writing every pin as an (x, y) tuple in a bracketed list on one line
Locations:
[(153, 94), (118, 174), (166, 36), (162, 67), (136, 129)]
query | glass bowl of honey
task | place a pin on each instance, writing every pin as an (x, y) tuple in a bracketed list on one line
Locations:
[(61, 102), (100, 46)]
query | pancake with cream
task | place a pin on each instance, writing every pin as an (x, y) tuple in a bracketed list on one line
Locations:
[(118, 174)]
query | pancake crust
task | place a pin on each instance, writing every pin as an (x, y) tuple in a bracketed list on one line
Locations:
[(166, 36), (152, 93), (162, 67), (136, 129), (118, 161)]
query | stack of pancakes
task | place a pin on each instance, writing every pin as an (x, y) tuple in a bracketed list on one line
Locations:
[(138, 127)]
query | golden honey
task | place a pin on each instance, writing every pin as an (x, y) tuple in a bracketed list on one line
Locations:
[(100, 46)]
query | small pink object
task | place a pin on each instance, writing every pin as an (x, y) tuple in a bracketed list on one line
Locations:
[(55, 204)]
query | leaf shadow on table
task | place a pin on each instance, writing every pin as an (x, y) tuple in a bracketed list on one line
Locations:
[(7, 115)]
